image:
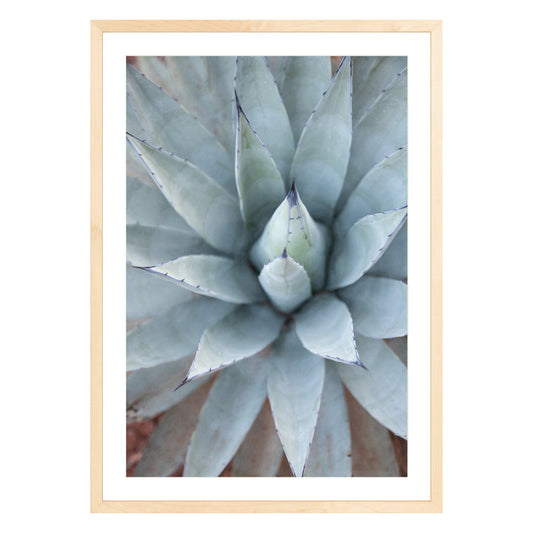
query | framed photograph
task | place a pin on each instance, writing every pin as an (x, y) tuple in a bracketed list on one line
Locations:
[(266, 266)]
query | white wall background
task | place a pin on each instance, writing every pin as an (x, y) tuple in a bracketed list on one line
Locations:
[(45, 264)]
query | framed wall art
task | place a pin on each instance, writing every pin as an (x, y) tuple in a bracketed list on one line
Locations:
[(266, 271)]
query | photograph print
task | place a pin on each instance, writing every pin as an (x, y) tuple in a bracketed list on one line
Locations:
[(266, 266)]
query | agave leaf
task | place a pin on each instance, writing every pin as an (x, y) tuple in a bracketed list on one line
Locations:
[(168, 443), (382, 388), (304, 80), (323, 151), (260, 100), (136, 169), (148, 296), (364, 243), (242, 333), (151, 391), (325, 327), (156, 70), (399, 346), (174, 334), (295, 382), (228, 413), (378, 307), (393, 263), (259, 183), (286, 282), (168, 125), (379, 129), (147, 206), (330, 450), (291, 230), (204, 86), (202, 202), (371, 75), (260, 453), (149, 245), (278, 66), (133, 124), (372, 446), (210, 275), (383, 188)]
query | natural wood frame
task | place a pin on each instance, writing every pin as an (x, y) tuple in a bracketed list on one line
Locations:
[(98, 28)]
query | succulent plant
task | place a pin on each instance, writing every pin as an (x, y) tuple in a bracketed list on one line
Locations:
[(266, 268)]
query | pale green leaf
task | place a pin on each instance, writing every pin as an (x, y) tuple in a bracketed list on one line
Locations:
[(136, 169), (383, 188), (324, 326), (228, 413), (204, 86), (305, 78), (378, 307), (372, 447), (330, 450), (364, 243), (156, 70), (203, 203), (292, 230), (174, 334), (133, 124), (382, 388), (242, 333), (148, 245), (147, 206), (259, 183), (380, 128), (295, 383), (210, 275), (151, 391), (393, 263), (278, 65), (260, 100), (168, 443), (171, 127), (323, 151), (371, 75), (260, 453), (148, 296), (286, 283)]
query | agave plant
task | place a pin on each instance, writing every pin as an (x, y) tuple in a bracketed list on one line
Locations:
[(266, 271)]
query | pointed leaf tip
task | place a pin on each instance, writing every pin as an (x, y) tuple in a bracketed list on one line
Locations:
[(364, 243), (323, 151), (217, 277), (241, 334), (204, 204), (330, 450), (378, 307), (173, 334), (226, 417), (261, 101), (292, 228), (166, 123), (286, 283), (259, 184), (295, 408), (324, 325), (302, 83), (382, 389)]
